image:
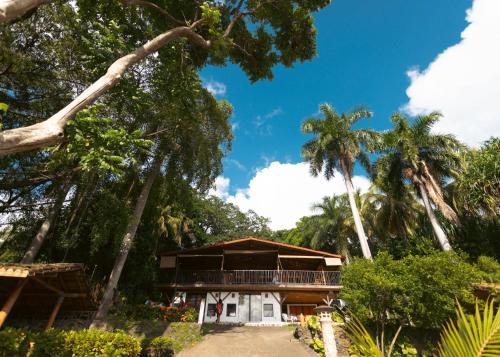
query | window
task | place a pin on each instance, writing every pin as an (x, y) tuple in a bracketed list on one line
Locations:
[(268, 310), (266, 295), (231, 310), (232, 295), (211, 310)]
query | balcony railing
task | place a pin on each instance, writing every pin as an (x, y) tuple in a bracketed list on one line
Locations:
[(253, 277)]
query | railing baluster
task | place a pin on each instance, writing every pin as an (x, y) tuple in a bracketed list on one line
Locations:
[(262, 277)]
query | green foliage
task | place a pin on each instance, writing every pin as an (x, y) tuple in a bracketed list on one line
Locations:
[(161, 346), (314, 325), (318, 346), (58, 343), (96, 145), (417, 290), (13, 342), (148, 312), (50, 343), (489, 268), (477, 190), (102, 343), (362, 343), (472, 335)]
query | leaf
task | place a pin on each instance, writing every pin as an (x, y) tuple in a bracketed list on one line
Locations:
[(472, 335), (4, 107)]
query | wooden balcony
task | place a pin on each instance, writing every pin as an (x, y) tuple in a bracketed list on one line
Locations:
[(251, 278)]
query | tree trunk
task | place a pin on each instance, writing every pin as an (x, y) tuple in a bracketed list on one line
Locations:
[(127, 241), (37, 242), (438, 230), (363, 241), (13, 9), (436, 195), (51, 131)]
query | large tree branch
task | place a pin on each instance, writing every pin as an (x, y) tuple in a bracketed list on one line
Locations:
[(13, 9), (51, 131)]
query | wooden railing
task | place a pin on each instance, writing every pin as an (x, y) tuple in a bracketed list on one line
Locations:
[(253, 277)]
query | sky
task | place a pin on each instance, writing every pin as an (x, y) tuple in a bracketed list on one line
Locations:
[(414, 56)]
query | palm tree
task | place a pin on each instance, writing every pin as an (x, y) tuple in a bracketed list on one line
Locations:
[(333, 224), (336, 146), (411, 152)]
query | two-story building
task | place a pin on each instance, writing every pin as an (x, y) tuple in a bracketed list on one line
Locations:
[(257, 280)]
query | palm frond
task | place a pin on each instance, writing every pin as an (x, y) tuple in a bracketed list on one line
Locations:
[(472, 335), (361, 339)]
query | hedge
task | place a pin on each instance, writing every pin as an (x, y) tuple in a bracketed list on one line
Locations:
[(57, 343)]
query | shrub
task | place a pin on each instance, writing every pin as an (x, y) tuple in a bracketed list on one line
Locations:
[(102, 343), (317, 345), (147, 312), (421, 290), (50, 343), (490, 269), (13, 342), (160, 347)]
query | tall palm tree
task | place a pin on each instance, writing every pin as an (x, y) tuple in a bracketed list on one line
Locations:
[(336, 146), (411, 152), (333, 224)]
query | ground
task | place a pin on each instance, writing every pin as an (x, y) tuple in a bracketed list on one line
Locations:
[(248, 341)]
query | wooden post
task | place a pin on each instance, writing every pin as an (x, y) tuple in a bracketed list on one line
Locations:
[(53, 315), (11, 300)]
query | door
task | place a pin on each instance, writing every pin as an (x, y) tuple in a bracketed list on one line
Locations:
[(305, 310), (244, 308), (255, 308)]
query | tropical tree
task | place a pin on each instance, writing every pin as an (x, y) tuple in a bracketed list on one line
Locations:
[(257, 35), (333, 225), (477, 190), (336, 146), (411, 152)]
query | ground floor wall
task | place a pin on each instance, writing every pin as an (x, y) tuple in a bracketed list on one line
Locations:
[(266, 307), (241, 307)]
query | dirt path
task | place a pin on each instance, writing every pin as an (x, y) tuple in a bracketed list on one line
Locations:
[(246, 341)]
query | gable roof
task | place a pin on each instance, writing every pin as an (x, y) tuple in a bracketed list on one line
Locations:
[(278, 245)]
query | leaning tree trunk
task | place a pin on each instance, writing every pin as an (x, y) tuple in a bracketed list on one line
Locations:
[(363, 241), (127, 241), (51, 131), (13, 9), (438, 230), (37, 242)]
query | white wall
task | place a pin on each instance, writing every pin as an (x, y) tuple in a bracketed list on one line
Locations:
[(233, 297), (276, 306)]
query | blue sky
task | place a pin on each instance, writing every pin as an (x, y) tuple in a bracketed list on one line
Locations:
[(365, 50)]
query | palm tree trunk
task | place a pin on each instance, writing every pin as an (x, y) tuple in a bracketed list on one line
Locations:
[(363, 241), (37, 242), (127, 241), (438, 230)]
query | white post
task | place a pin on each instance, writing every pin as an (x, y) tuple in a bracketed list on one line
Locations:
[(325, 318), (202, 312)]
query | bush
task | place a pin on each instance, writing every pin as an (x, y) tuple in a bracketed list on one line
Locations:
[(317, 345), (50, 343), (417, 290), (56, 343), (160, 347), (13, 342), (490, 269), (102, 343), (147, 312)]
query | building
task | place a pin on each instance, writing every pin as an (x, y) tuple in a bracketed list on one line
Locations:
[(257, 280)]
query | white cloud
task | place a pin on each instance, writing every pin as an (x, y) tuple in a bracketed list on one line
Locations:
[(285, 192), (221, 188), (216, 88), (463, 82)]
